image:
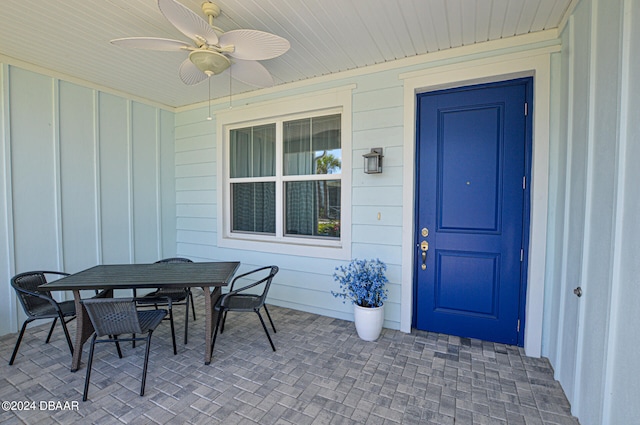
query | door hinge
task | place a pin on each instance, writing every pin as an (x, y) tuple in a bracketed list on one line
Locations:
[(521, 255), (518, 329), (526, 109), (524, 182)]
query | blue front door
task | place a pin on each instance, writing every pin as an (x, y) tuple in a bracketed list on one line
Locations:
[(472, 211)]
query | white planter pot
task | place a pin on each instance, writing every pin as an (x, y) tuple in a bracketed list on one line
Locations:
[(368, 321)]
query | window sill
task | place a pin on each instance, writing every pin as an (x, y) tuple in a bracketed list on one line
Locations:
[(302, 247)]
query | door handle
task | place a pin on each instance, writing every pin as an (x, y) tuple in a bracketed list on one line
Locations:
[(424, 247)]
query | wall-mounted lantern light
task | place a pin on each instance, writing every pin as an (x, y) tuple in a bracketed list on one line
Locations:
[(373, 161)]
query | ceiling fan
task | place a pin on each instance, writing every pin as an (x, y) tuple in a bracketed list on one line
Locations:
[(212, 50)]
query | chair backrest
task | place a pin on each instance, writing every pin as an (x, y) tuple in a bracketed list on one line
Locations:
[(113, 316), (172, 289), (29, 281), (266, 280), (174, 260)]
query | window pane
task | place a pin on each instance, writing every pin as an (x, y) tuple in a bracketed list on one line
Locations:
[(312, 146), (313, 208), (253, 151), (253, 207)]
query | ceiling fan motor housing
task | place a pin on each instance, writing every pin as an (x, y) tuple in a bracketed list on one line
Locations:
[(210, 9)]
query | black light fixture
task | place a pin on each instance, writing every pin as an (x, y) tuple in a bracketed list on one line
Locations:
[(373, 161)]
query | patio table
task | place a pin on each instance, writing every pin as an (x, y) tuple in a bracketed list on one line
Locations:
[(207, 275)]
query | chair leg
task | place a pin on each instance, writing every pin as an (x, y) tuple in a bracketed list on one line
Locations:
[(224, 319), (133, 336), (89, 364), (15, 349), (271, 321), (53, 325), (193, 307), (264, 326), (173, 332), (215, 331), (115, 339), (66, 332), (186, 321), (146, 362)]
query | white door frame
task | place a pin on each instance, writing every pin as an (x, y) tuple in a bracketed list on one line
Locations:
[(537, 63)]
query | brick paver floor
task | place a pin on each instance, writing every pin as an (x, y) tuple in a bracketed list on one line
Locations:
[(322, 373)]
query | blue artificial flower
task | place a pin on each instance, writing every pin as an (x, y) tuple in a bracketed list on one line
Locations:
[(362, 282)]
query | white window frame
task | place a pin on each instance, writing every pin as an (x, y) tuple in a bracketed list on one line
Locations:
[(329, 102)]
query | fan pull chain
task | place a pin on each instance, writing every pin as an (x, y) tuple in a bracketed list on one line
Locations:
[(209, 118), (230, 87)]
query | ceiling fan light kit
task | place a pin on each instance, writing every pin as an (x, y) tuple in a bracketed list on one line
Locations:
[(211, 63), (212, 50)]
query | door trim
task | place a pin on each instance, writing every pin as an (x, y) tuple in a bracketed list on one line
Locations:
[(533, 62), (510, 91)]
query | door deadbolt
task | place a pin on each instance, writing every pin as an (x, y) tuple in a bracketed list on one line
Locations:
[(425, 232)]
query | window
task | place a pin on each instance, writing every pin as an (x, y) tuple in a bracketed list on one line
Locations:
[(252, 160), (281, 174), (310, 177)]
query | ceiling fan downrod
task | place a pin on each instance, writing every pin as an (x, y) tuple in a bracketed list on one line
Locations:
[(211, 10)]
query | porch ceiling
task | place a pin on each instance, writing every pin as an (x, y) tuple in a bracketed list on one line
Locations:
[(71, 37)]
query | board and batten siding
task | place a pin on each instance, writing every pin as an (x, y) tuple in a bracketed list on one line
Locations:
[(591, 341), (87, 178)]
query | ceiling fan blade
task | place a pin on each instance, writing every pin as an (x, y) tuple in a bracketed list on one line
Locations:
[(152, 43), (190, 74), (254, 44), (187, 22), (250, 72)]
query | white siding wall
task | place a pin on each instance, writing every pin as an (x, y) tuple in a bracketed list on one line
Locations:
[(592, 341), (377, 120), (7, 305), (303, 282), (623, 365), (87, 178)]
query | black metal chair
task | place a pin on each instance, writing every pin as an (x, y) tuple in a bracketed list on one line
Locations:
[(242, 301), (117, 316), (177, 295), (39, 304)]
